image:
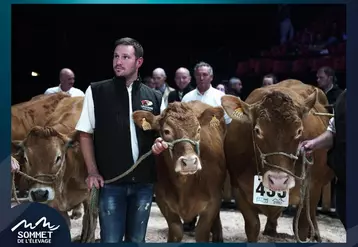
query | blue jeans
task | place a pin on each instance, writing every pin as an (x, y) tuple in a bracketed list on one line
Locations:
[(124, 212)]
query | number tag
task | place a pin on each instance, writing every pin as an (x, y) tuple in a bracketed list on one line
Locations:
[(264, 196)]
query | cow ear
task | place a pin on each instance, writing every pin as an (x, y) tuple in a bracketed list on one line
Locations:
[(310, 102), (146, 120), (235, 107), (213, 116)]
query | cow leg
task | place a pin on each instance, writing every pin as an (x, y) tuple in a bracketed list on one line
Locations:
[(206, 222), (271, 225), (89, 223), (217, 230), (252, 220), (76, 212), (175, 226)]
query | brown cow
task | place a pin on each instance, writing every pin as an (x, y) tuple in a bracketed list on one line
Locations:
[(190, 181), (274, 119), (56, 158)]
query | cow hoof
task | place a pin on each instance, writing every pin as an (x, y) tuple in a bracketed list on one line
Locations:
[(76, 215), (270, 233)]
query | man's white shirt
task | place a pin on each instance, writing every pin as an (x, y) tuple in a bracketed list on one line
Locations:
[(86, 122), (212, 97), (74, 92)]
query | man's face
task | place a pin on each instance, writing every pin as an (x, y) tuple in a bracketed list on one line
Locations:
[(124, 61), (267, 81), (159, 79), (238, 86), (203, 78), (150, 82), (67, 80), (182, 79), (323, 80)]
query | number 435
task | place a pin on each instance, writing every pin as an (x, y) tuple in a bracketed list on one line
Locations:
[(261, 189)]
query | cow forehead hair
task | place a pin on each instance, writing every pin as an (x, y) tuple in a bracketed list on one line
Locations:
[(43, 132), (178, 112), (278, 106)]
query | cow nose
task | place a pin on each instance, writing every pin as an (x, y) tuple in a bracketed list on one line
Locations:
[(189, 162), (279, 182), (39, 195)]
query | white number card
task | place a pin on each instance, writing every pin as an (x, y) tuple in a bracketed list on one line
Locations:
[(264, 196)]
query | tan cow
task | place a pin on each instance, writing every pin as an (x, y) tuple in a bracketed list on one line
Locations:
[(32, 113), (66, 115), (192, 173), (57, 161), (59, 110), (266, 132)]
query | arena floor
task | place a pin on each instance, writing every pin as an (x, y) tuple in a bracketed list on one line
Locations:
[(331, 229)]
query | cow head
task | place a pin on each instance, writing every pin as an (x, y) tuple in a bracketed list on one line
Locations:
[(277, 130), (176, 123), (43, 152)]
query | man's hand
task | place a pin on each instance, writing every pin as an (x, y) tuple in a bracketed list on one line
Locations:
[(159, 146), (309, 145), (94, 179), (14, 165)]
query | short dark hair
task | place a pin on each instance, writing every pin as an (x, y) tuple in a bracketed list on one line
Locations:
[(274, 78), (138, 49), (329, 72)]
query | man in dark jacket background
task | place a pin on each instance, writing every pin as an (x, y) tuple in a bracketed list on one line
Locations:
[(111, 143), (182, 80)]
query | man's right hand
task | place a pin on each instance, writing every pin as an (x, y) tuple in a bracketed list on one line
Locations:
[(94, 179), (308, 145)]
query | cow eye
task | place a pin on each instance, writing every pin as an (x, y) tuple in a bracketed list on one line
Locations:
[(299, 133), (58, 159), (199, 129), (258, 132), (166, 132)]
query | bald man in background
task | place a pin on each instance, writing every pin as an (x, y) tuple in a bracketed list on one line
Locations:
[(182, 80), (161, 85), (67, 80)]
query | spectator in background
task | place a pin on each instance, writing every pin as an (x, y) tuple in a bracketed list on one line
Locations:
[(286, 27), (235, 87), (221, 87), (182, 80), (269, 79), (67, 80), (326, 80), (160, 77), (148, 80)]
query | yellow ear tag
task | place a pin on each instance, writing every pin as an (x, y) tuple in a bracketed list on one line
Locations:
[(238, 113), (145, 124), (214, 122)]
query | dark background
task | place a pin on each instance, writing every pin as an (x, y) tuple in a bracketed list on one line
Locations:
[(46, 38)]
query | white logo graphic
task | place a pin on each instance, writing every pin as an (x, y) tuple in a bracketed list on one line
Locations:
[(35, 237)]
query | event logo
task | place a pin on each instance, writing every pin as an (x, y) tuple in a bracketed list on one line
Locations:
[(34, 236)]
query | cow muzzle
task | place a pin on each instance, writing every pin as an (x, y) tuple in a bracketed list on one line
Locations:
[(42, 194), (188, 165), (278, 181)]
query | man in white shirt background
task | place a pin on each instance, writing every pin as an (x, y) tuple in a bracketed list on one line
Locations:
[(206, 93), (67, 80)]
